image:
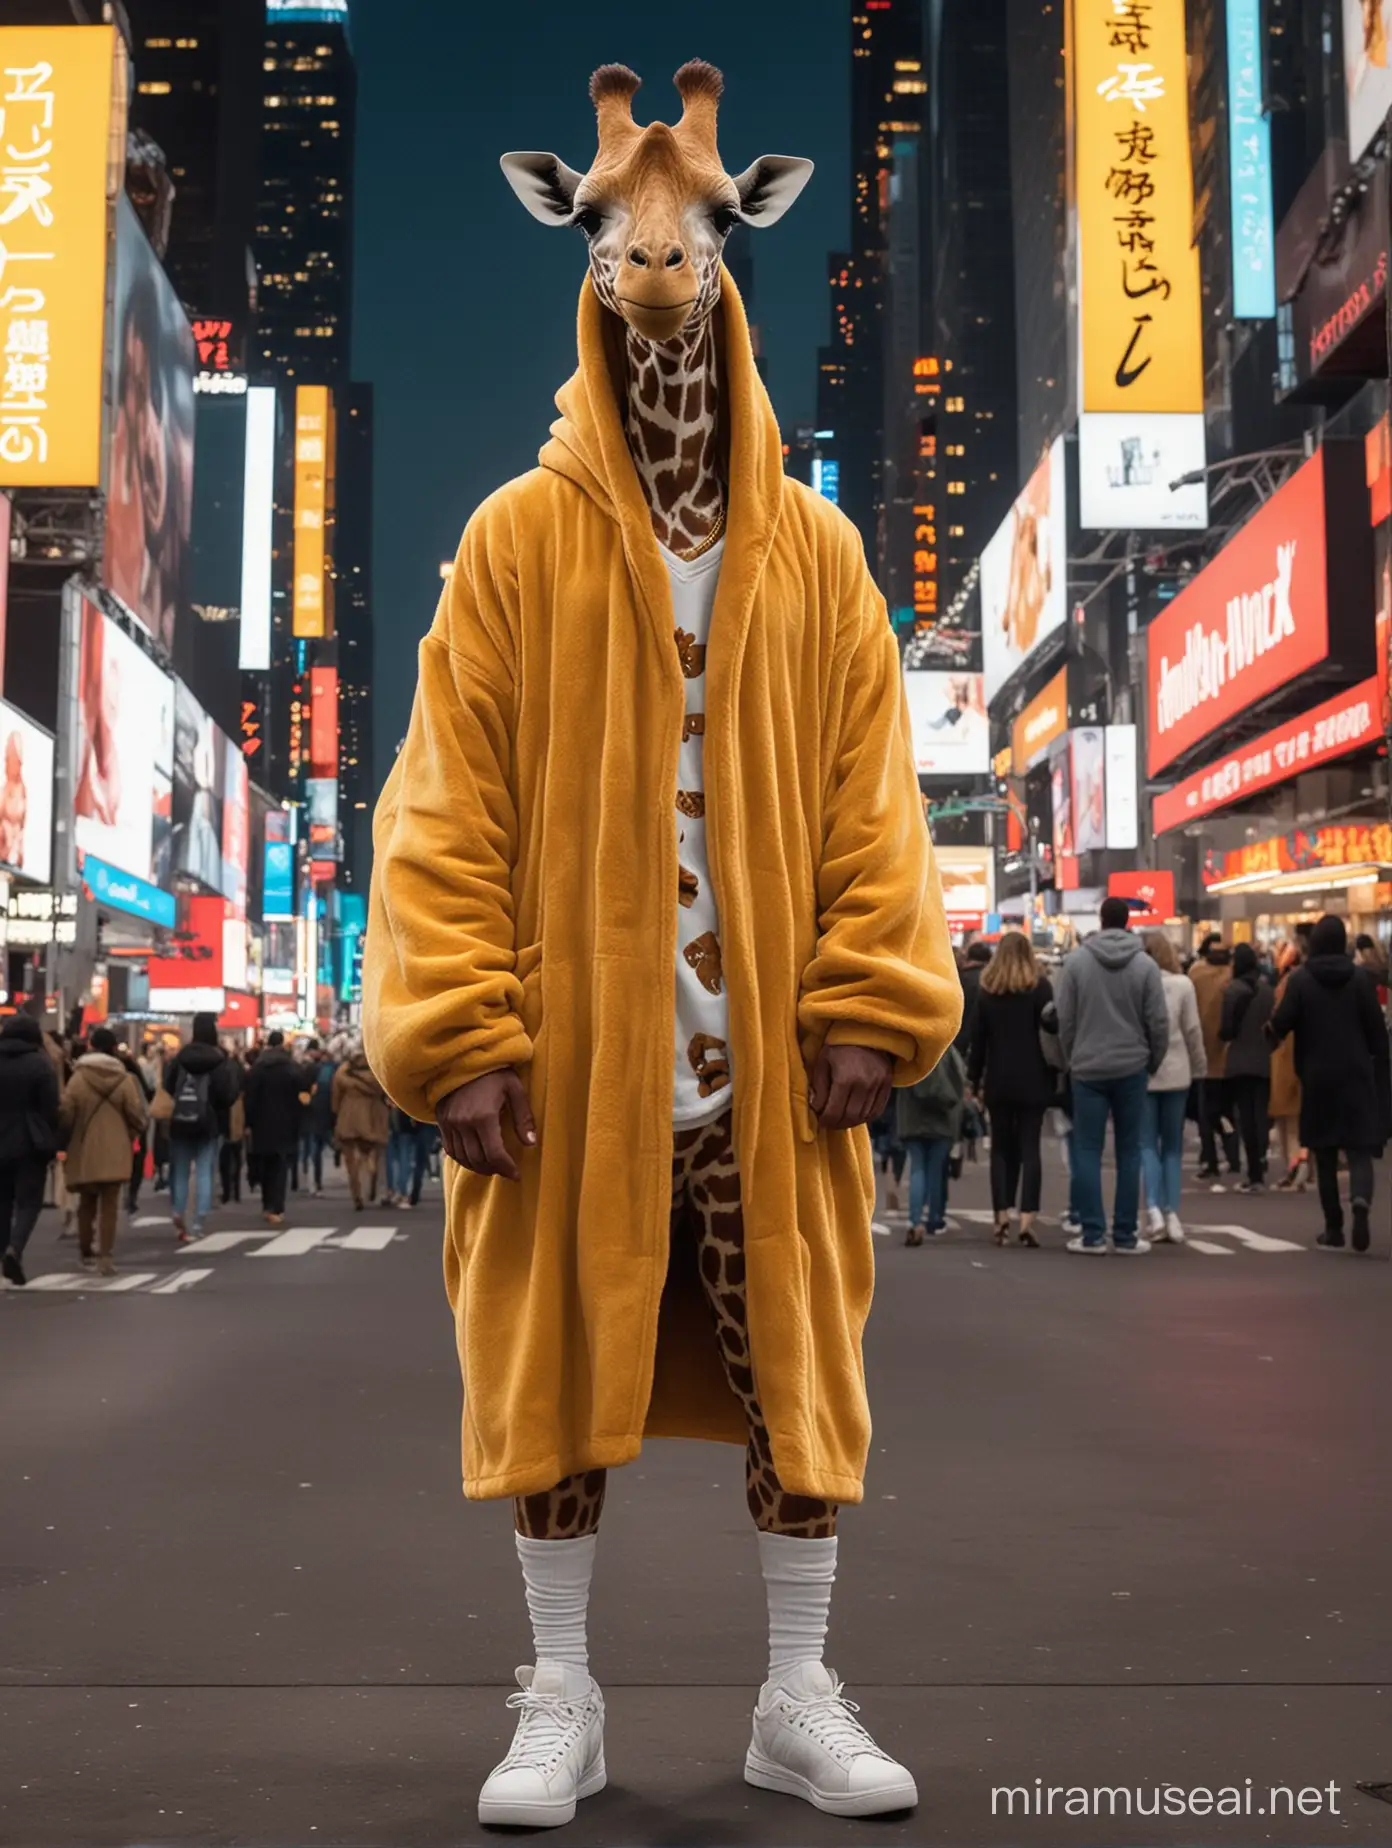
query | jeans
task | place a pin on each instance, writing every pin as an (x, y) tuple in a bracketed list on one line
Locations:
[(427, 1140), (311, 1158), (199, 1159), (1094, 1099), (928, 1157), (1250, 1098), (1360, 1167), (1015, 1158), (400, 1150), (1215, 1109), (1162, 1147), (21, 1200)]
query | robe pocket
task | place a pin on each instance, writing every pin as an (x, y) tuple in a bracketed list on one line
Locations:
[(528, 972), (803, 1120)]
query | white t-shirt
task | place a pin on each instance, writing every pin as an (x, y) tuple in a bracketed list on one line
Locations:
[(702, 1090)]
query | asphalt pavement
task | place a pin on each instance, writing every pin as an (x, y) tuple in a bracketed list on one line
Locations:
[(1126, 1525)]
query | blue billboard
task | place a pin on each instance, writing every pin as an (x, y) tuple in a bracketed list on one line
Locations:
[(278, 882), (1249, 168), (124, 892)]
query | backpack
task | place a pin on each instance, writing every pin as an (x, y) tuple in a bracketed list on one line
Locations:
[(192, 1116)]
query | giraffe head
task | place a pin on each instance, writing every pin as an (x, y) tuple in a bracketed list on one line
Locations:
[(656, 206)]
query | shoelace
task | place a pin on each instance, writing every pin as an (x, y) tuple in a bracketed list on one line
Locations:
[(546, 1730), (830, 1720)]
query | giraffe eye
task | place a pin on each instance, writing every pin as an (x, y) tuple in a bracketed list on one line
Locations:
[(724, 218), (589, 221)]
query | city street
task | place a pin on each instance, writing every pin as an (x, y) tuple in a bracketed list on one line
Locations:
[(1125, 1525)]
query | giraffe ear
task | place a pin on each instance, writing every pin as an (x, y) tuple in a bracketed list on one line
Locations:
[(770, 186), (544, 184)]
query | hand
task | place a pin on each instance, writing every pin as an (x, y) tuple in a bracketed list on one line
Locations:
[(471, 1123), (850, 1085)]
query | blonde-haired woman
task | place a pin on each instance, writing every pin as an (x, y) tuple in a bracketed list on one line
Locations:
[(1017, 1084), (1167, 1096)]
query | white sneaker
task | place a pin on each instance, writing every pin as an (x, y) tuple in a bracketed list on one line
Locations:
[(557, 1753), (1069, 1224), (1081, 1245), (1174, 1231), (1157, 1220), (808, 1743), (1136, 1250)]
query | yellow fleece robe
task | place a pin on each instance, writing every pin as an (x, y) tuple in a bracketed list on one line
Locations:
[(524, 912)]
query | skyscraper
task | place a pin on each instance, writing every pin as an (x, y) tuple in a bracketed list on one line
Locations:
[(353, 609), (198, 97), (304, 219), (887, 91)]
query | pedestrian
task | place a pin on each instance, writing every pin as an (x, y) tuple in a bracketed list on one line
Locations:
[(1210, 974), (1285, 1084), (361, 1115), (1167, 1095), (202, 1084), (929, 1119), (1114, 1031), (230, 1154), (975, 959), (401, 1148), (101, 1114), (1372, 956), (29, 1094), (317, 1127), (274, 1111), (1341, 1056), (1247, 1004), (142, 1143), (1007, 1068), (890, 1153), (427, 1144)]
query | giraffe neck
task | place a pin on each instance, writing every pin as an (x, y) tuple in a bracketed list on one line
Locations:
[(672, 422)]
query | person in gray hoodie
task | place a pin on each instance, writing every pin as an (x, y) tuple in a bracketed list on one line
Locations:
[(1114, 1031)]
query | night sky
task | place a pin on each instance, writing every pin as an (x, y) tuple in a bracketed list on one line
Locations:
[(465, 306)]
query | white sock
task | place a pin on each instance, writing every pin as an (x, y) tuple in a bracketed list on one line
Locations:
[(557, 1576), (798, 1576)]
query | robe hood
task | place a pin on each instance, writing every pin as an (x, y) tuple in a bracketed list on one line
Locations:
[(588, 445)]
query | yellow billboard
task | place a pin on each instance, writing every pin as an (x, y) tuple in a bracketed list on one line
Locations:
[(1142, 346), (314, 472), (55, 112)]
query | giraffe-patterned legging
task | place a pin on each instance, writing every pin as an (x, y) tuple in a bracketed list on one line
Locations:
[(706, 1191)]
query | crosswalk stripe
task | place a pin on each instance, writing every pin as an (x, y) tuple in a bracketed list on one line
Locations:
[(60, 1280), (295, 1242), (1209, 1250), (181, 1280), (131, 1280), (150, 1219), (367, 1238), (1257, 1241), (220, 1241)]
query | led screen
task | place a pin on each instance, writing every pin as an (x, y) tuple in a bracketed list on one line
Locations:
[(26, 797), (1024, 574), (123, 752)]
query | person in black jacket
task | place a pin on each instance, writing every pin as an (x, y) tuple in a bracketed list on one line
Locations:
[(1007, 1065), (274, 1113), (1341, 1057), (1247, 1004), (204, 1084), (28, 1135)]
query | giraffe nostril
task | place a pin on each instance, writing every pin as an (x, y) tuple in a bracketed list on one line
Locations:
[(675, 257), (638, 257)]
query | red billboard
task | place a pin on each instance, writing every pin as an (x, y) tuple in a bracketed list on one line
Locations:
[(1342, 724), (193, 958), (323, 721), (1249, 623), (1155, 891)]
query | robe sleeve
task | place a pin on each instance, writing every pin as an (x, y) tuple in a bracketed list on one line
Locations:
[(441, 997), (883, 973)]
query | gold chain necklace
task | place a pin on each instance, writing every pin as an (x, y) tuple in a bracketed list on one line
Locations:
[(709, 540)]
